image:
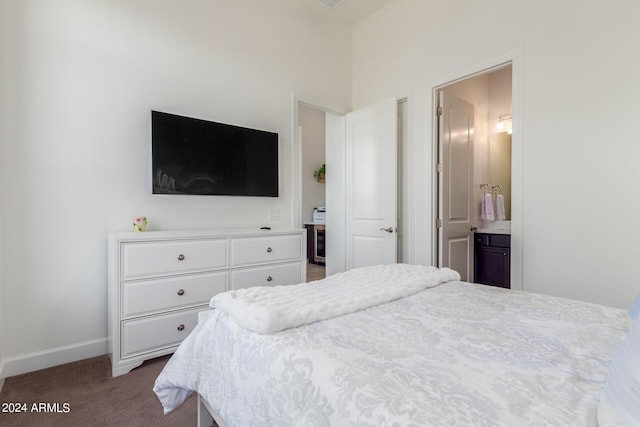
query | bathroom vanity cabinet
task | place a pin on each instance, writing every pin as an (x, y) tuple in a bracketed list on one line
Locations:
[(492, 264)]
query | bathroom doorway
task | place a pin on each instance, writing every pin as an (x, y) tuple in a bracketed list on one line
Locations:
[(473, 146)]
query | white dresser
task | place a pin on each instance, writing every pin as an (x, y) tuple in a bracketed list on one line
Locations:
[(159, 280)]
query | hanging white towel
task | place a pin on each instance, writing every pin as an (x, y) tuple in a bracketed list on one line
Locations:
[(487, 207), (500, 215)]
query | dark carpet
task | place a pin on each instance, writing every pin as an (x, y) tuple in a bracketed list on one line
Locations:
[(84, 394)]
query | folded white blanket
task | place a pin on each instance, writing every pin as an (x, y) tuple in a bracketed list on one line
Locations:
[(271, 309)]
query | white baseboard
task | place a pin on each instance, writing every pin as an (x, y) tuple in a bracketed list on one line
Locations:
[(1, 374), (47, 358)]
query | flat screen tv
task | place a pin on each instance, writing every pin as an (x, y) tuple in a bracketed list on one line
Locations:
[(194, 156)]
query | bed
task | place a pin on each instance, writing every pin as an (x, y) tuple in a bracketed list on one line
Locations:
[(397, 345)]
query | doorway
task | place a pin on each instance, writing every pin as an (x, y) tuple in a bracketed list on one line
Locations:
[(312, 142), (333, 194), (473, 114), (336, 181)]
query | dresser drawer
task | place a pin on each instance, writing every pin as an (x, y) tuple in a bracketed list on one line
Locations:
[(149, 259), (254, 250), (150, 296), (157, 332), (271, 275)]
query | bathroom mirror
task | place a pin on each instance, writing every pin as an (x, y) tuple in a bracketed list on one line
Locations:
[(500, 166)]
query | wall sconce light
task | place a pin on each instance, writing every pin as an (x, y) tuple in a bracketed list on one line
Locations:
[(502, 119)]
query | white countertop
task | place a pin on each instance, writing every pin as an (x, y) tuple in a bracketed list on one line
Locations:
[(493, 231), (495, 227)]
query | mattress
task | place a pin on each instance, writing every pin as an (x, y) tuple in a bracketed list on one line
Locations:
[(452, 354)]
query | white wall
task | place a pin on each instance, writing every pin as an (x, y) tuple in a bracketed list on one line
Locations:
[(500, 104), (500, 82), (580, 146), (75, 159), (312, 121)]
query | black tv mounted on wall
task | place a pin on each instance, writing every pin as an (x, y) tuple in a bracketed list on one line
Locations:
[(194, 156)]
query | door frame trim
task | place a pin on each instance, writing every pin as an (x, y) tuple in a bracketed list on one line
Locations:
[(514, 57)]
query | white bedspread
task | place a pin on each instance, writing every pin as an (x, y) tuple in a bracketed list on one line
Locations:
[(455, 354), (268, 309)]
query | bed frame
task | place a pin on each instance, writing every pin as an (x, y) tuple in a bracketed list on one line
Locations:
[(206, 415)]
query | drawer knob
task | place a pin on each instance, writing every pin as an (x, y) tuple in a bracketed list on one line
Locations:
[(269, 278), (181, 292), (180, 257), (269, 249), (181, 327)]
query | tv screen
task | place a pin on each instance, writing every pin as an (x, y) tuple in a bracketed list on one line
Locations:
[(194, 156)]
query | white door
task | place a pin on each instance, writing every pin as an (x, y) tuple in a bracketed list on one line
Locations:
[(371, 185), (455, 182)]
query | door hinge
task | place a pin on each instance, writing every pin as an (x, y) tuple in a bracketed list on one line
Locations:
[(438, 223), (439, 111), (439, 167)]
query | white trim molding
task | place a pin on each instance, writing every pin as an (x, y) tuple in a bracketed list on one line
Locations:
[(2, 375), (53, 357)]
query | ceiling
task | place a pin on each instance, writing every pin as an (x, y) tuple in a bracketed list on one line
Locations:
[(352, 10)]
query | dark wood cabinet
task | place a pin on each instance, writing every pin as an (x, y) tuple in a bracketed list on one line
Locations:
[(492, 264), (315, 243), (310, 243)]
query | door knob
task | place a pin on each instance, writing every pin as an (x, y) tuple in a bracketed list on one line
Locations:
[(388, 229), (472, 228)]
